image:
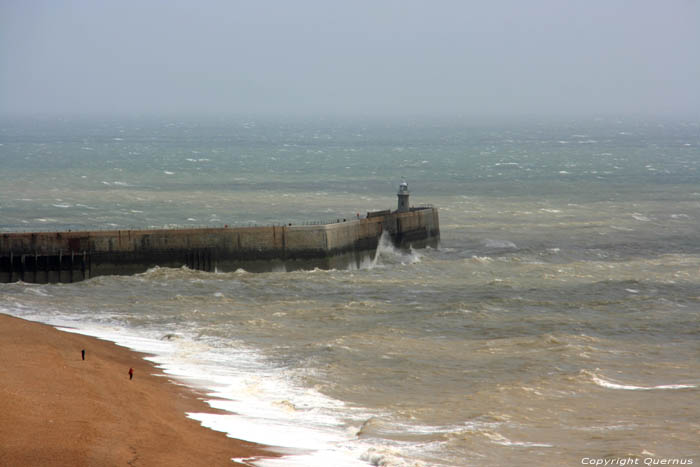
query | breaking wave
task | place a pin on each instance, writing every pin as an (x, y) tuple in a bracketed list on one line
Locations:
[(628, 387), (388, 254)]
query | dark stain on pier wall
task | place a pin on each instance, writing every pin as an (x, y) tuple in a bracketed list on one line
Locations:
[(73, 256)]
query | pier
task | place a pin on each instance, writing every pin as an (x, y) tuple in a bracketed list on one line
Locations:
[(50, 257)]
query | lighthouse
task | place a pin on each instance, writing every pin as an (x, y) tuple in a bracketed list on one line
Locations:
[(403, 197)]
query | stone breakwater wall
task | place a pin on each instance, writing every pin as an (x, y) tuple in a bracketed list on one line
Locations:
[(45, 257)]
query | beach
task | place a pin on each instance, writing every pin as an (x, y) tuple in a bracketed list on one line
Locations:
[(58, 409)]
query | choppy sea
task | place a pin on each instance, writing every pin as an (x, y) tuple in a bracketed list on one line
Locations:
[(558, 320)]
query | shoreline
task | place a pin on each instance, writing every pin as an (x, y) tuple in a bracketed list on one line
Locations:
[(61, 410)]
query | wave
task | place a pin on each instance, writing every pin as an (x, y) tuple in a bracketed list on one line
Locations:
[(640, 217), (388, 254), (36, 290), (505, 244), (503, 441), (481, 259), (628, 387)]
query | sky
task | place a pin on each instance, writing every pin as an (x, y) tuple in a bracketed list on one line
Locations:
[(356, 58)]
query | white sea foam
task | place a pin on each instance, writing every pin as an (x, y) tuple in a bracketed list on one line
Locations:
[(622, 229), (40, 291), (614, 385), (387, 253), (481, 259), (269, 407), (265, 405), (604, 428), (640, 217), (503, 441), (489, 243)]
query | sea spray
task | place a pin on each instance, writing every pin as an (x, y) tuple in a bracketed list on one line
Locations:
[(388, 254)]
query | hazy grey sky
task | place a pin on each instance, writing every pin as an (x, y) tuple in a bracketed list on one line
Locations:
[(356, 57)]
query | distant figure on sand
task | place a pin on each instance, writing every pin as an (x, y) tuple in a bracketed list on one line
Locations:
[(131, 373), (82, 352)]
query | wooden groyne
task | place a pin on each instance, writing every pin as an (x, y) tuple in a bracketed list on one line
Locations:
[(46, 257)]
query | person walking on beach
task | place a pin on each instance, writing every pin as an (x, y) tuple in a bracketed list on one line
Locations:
[(131, 373), (82, 352)]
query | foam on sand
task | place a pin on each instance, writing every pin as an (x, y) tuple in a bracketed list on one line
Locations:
[(264, 404), (61, 410)]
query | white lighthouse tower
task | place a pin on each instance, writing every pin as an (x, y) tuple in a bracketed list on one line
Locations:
[(403, 197)]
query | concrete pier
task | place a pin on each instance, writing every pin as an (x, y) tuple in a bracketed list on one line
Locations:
[(45, 257)]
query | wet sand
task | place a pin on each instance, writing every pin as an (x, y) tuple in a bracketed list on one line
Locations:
[(58, 410)]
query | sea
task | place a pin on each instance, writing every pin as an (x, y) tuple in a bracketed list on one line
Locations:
[(557, 322)]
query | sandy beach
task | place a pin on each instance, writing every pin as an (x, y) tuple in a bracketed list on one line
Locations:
[(60, 410)]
